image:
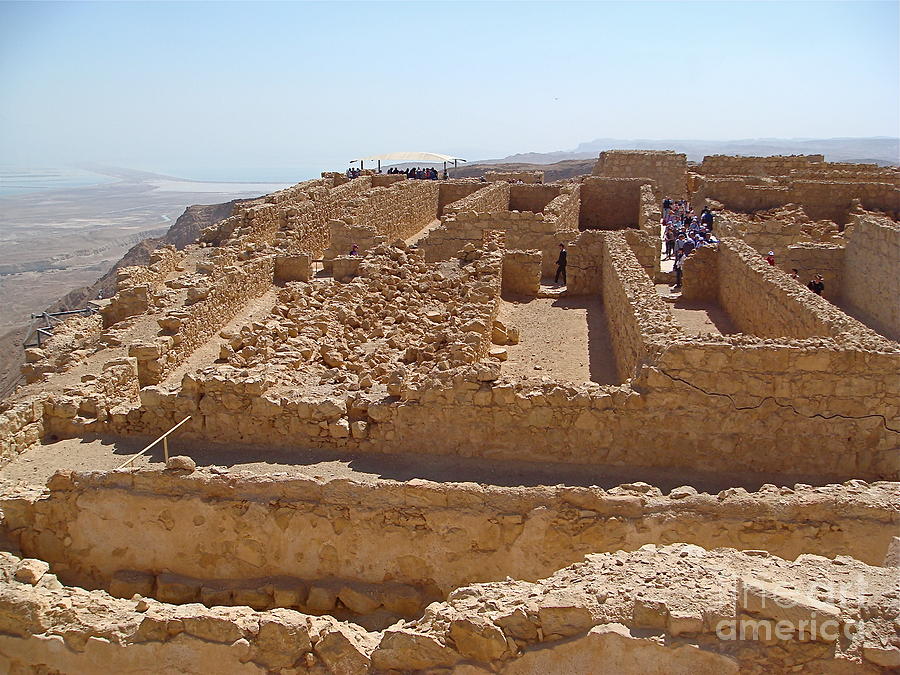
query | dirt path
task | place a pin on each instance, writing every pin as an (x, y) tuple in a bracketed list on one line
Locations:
[(565, 338), (703, 317), (423, 232), (256, 309), (34, 467)]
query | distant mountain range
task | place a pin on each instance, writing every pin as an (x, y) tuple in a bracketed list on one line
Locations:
[(881, 150)]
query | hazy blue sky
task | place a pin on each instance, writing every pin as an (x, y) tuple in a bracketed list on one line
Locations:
[(163, 86)]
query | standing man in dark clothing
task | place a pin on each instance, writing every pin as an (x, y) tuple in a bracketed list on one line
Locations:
[(561, 264), (816, 284)]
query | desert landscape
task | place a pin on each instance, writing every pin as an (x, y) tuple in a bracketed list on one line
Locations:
[(57, 245), (356, 426)]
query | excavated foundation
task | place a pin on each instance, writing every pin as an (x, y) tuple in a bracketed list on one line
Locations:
[(376, 553)]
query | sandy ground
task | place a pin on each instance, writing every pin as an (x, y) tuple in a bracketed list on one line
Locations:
[(35, 466), (254, 310), (565, 338)]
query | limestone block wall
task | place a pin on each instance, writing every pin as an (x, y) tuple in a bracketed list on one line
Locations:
[(639, 321), (666, 168), (454, 190), (184, 329), (646, 249), (764, 301), (585, 264), (871, 282), (850, 173), (700, 280), (395, 212), (776, 230), (833, 200), (522, 272), (434, 537), (650, 211), (491, 198), (610, 203), (740, 193), (135, 284), (296, 219), (398, 211), (532, 198), (775, 165), (21, 426), (810, 259), (529, 177), (523, 230), (387, 179), (820, 199), (565, 207)]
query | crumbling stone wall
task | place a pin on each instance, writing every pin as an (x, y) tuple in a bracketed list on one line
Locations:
[(740, 193), (532, 198), (775, 165), (633, 307), (610, 203), (184, 329), (565, 207), (666, 168), (491, 198), (138, 531), (833, 200), (596, 614), (820, 199), (522, 272), (700, 281), (529, 177), (295, 219), (776, 230), (870, 281), (454, 190), (764, 301), (850, 173), (523, 230), (585, 264), (395, 212), (134, 285), (21, 426)]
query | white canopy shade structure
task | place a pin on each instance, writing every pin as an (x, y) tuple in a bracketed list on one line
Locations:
[(430, 157)]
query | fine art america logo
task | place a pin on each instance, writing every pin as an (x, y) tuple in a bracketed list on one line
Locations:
[(769, 611)]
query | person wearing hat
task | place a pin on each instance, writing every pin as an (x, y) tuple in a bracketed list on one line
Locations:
[(816, 284), (771, 258)]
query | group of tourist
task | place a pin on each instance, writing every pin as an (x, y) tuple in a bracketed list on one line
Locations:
[(427, 173), (684, 232)]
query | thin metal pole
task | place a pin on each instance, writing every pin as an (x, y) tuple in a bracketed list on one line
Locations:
[(161, 438), (166, 449)]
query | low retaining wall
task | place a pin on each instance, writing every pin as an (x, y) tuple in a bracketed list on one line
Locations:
[(432, 536), (184, 329)]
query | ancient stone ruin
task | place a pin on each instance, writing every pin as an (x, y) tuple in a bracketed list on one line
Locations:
[(429, 457)]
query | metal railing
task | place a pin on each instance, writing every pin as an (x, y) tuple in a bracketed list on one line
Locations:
[(50, 319), (164, 438)]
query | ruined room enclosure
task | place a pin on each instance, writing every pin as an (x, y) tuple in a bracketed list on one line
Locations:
[(364, 453)]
